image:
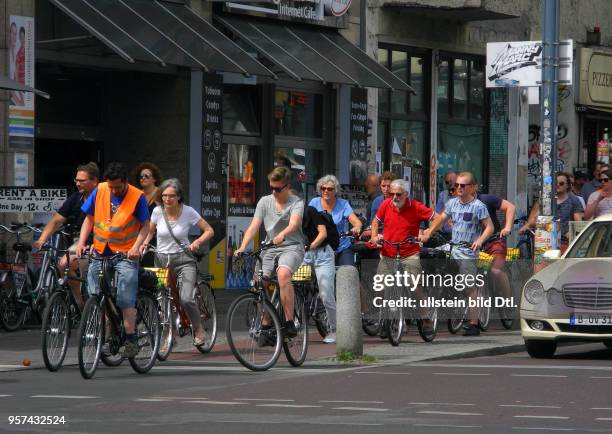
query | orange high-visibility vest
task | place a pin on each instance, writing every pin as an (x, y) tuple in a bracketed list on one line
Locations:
[(120, 231)]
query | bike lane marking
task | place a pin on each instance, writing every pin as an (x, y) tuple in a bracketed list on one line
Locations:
[(65, 396), (534, 416), (289, 405), (450, 413), (360, 409)]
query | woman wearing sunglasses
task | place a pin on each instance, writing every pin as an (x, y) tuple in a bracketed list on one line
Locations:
[(600, 201), (147, 177)]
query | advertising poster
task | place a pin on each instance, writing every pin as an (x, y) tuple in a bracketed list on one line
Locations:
[(214, 174), (238, 272), (241, 178), (357, 197), (20, 50), (358, 165), (16, 199)]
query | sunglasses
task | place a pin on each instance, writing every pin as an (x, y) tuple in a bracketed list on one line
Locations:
[(396, 194), (327, 188), (561, 183), (462, 185), (604, 180), (80, 181), (146, 176), (278, 189)]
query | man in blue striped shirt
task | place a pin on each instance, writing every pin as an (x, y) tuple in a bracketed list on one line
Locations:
[(472, 225)]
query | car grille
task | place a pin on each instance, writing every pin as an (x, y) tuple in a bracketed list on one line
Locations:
[(596, 297), (594, 330)]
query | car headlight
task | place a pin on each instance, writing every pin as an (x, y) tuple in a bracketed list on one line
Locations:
[(534, 292), (554, 297)]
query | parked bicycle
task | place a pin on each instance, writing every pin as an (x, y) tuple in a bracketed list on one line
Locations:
[(253, 329), (173, 317), (101, 308)]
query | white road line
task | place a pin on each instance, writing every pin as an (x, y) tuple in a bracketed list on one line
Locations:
[(152, 400), (65, 396), (348, 423), (246, 371), (528, 406), (178, 398), (542, 428), (451, 413), (215, 402), (264, 399), (383, 373), (440, 403), (599, 378), (289, 405), (353, 402), (431, 425), (5, 396), (604, 418), (460, 374), (528, 416), (538, 375), (487, 366), (360, 409), (601, 408)]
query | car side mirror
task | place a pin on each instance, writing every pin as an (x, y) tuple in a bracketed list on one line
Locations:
[(552, 254)]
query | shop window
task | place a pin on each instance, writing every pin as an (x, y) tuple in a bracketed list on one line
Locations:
[(477, 89), (306, 168), (399, 66), (460, 149), (407, 140), (417, 83), (443, 88), (239, 110), (460, 88), (383, 94), (298, 114)]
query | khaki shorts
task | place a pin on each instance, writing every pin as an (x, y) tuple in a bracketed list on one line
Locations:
[(288, 258), (83, 262)]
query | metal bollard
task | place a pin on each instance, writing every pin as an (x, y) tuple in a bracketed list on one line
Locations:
[(348, 311)]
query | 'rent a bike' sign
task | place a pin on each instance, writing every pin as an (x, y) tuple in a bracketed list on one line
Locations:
[(20, 199)]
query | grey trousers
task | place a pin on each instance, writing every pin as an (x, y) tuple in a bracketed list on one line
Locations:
[(185, 272)]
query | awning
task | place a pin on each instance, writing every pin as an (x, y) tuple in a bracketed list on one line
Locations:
[(304, 53), (160, 32), (7, 83)]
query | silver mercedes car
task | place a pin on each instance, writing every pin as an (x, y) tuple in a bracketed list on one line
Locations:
[(571, 299)]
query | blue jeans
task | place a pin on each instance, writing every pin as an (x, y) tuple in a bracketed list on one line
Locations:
[(323, 262), (126, 276)]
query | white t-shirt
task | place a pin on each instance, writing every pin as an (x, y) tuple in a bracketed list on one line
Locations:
[(603, 207), (165, 243)]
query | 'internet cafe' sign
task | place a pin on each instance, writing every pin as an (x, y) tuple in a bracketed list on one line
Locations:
[(519, 63), (19, 199), (323, 12), (595, 78)]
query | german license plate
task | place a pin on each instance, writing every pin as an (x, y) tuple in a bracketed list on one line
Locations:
[(587, 318)]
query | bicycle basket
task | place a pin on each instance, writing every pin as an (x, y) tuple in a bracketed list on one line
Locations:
[(513, 253), (302, 274), (484, 261), (160, 276)]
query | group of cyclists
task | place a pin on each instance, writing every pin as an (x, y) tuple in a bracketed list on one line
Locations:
[(116, 216)]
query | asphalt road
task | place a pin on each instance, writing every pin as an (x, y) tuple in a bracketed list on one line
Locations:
[(502, 394)]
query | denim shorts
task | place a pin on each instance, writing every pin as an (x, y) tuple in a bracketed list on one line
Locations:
[(126, 273)]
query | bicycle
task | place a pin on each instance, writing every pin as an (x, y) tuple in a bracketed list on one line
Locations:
[(174, 318), (17, 297), (101, 307), (395, 324), (306, 279), (258, 347), (62, 312)]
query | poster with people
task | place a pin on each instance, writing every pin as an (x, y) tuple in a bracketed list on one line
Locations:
[(21, 69)]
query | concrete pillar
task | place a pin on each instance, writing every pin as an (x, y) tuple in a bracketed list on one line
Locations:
[(349, 336)]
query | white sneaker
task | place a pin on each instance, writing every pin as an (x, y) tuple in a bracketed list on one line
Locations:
[(330, 338)]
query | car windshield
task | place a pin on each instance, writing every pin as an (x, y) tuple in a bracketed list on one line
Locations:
[(594, 242)]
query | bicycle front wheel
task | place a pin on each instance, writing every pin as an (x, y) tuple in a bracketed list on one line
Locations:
[(166, 325), (257, 346), (395, 326), (55, 331), (484, 313), (147, 334), (205, 300), (296, 348), (90, 337), (428, 329)]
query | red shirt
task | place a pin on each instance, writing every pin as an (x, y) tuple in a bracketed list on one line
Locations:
[(399, 224)]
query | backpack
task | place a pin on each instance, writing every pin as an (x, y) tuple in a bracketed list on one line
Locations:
[(333, 237)]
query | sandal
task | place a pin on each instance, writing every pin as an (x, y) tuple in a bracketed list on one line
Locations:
[(198, 342)]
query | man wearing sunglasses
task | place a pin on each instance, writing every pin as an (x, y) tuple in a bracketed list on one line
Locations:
[(449, 181), (86, 180), (281, 214), (471, 224), (589, 187)]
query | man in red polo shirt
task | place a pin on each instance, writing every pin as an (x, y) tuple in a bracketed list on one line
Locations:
[(402, 218)]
